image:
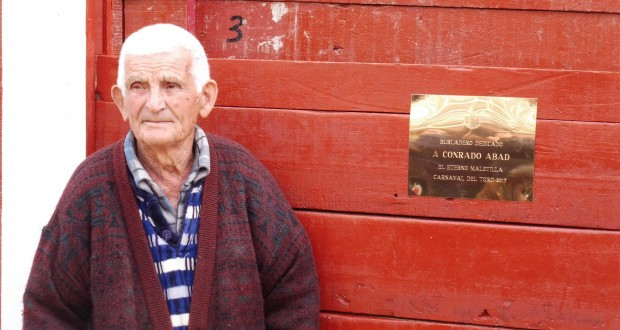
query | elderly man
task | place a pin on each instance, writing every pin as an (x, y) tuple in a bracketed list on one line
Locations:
[(171, 227)]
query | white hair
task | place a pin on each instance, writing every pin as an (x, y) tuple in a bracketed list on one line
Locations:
[(165, 38)]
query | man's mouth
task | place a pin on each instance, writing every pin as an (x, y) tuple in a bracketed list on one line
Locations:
[(156, 122)]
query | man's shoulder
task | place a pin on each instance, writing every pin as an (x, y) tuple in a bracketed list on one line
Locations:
[(100, 162), (227, 149), (94, 172), (92, 179), (232, 157)]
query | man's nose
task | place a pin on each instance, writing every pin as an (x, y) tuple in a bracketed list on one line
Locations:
[(156, 101)]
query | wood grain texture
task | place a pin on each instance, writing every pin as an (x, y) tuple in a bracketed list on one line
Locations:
[(107, 25), (113, 34), (340, 321), (603, 6), (356, 162), (191, 16), (562, 95), (498, 275), (93, 46), (415, 35), (109, 123), (140, 13)]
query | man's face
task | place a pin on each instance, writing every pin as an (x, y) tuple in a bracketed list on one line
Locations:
[(161, 102)]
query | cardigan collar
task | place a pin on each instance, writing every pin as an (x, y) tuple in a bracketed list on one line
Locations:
[(207, 236)]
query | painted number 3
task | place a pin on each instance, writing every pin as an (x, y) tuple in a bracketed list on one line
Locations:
[(235, 28)]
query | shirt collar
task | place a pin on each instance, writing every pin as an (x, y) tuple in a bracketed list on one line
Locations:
[(200, 167)]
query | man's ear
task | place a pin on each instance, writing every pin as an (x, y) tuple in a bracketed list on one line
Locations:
[(119, 100), (209, 95)]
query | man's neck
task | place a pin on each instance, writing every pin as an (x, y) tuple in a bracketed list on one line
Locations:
[(168, 167)]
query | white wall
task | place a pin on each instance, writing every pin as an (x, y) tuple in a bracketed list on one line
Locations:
[(43, 129)]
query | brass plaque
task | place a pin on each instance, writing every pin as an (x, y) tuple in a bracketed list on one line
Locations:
[(472, 147)]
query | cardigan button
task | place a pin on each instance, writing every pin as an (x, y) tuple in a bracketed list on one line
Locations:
[(167, 234)]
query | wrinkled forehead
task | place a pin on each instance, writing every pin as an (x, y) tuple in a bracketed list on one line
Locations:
[(174, 62)]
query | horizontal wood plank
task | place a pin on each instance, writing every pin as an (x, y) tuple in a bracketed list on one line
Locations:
[(562, 95), (356, 162), (140, 13), (339, 321), (496, 275), (602, 6), (415, 35)]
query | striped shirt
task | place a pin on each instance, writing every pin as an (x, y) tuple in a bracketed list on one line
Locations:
[(175, 259)]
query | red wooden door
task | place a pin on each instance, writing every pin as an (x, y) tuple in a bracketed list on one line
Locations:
[(320, 92)]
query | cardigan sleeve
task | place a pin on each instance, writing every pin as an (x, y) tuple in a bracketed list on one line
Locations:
[(293, 301), (286, 264), (56, 295)]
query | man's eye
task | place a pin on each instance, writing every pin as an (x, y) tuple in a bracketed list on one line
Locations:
[(137, 86), (171, 85)]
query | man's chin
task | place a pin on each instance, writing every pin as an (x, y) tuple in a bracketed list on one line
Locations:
[(156, 127), (155, 139)]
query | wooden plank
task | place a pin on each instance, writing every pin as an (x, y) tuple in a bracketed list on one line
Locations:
[(191, 16), (497, 275), (415, 35), (339, 321), (140, 13), (109, 124), (358, 163), (112, 12), (563, 95), (605, 6), (107, 69), (93, 45)]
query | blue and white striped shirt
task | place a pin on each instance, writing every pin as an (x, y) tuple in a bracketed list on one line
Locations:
[(175, 258)]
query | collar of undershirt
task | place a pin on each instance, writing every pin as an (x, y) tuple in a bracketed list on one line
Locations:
[(200, 166)]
